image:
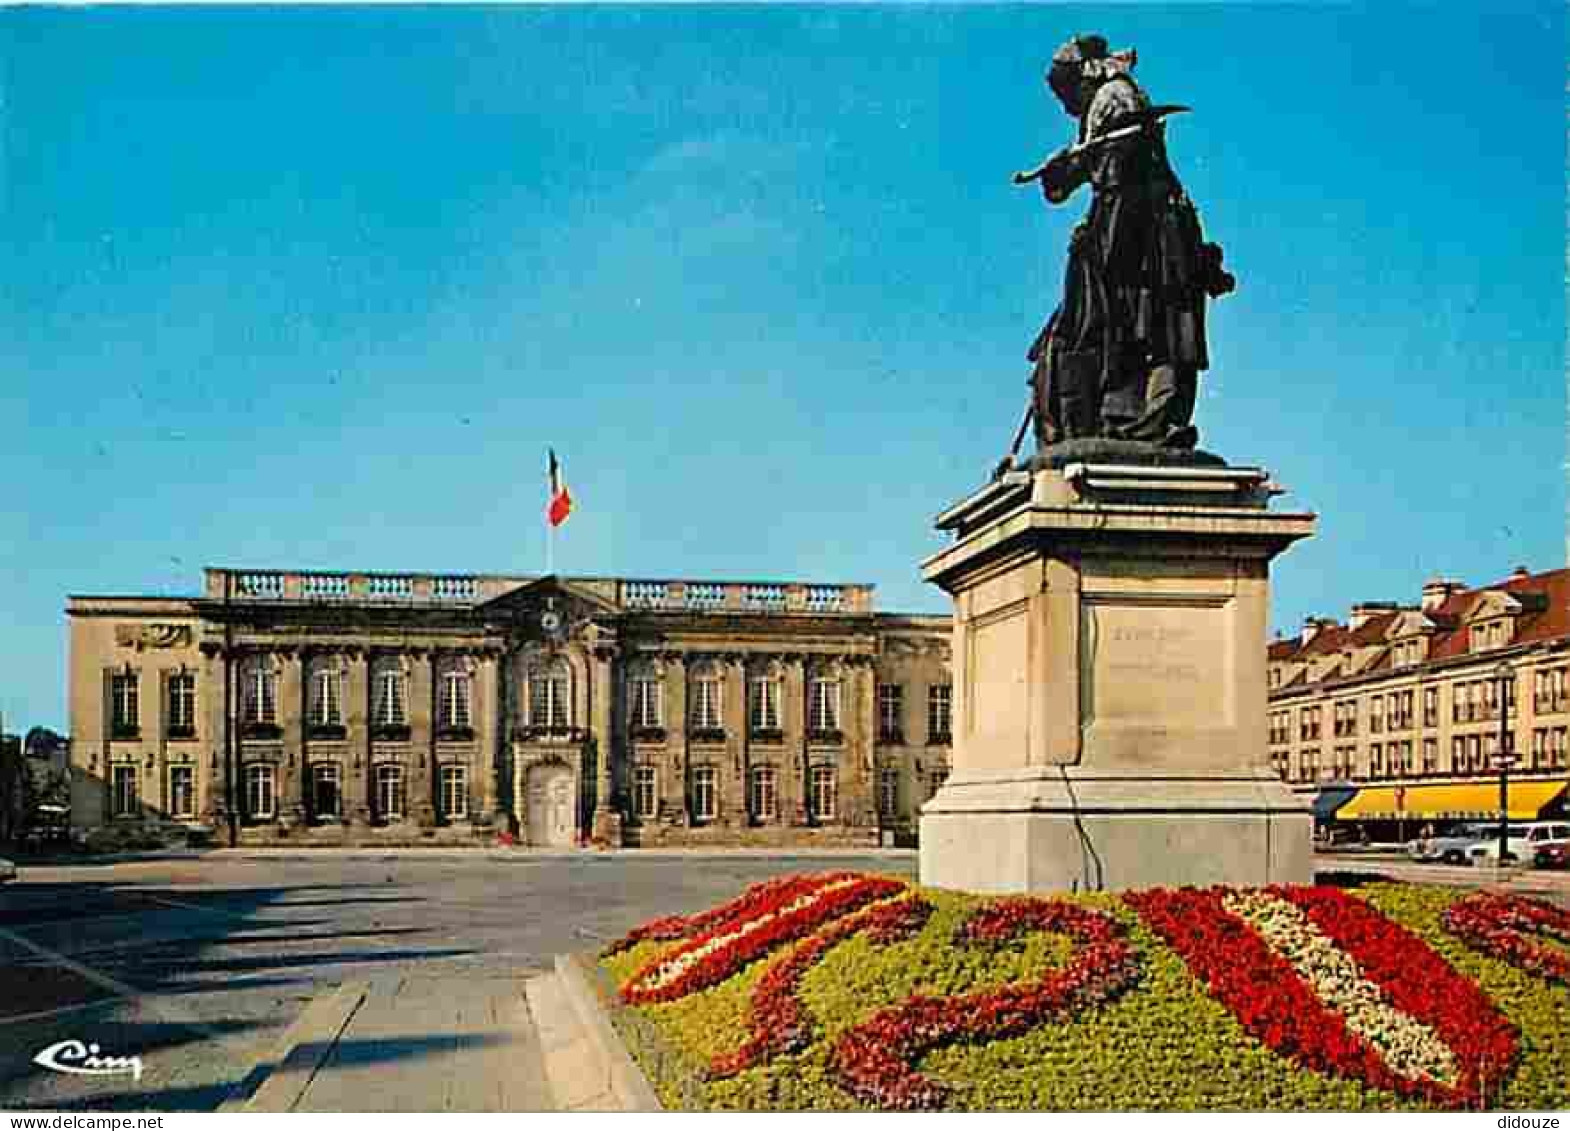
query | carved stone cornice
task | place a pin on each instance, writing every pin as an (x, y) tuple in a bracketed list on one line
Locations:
[(142, 636), (915, 646)]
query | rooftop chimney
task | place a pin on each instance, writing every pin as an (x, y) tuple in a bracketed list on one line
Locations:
[(1438, 591), (1312, 625), (1367, 611)]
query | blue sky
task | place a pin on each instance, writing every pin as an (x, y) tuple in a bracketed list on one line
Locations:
[(316, 287)]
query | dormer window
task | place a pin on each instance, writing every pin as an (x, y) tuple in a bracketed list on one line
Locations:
[(1490, 634)]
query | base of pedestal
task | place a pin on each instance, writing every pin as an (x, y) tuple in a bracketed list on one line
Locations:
[(1067, 829)]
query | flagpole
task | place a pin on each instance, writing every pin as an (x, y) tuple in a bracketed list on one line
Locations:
[(558, 506)]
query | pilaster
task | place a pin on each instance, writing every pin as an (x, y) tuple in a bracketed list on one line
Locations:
[(357, 716), (607, 819), (860, 762), (793, 774), (292, 774), (422, 738), (678, 776), (488, 729), (733, 781)]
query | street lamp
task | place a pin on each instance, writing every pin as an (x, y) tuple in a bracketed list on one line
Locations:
[(1503, 758)]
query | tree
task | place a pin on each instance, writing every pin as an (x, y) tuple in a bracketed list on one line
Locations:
[(14, 787)]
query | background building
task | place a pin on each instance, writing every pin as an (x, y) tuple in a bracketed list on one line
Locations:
[(373, 707), (1398, 714)]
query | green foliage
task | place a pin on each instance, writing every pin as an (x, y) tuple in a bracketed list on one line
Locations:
[(1166, 1046), (1540, 1008)]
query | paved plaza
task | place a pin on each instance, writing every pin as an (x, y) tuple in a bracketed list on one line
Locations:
[(199, 966)]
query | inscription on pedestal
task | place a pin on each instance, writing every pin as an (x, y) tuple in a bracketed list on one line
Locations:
[(1157, 665)]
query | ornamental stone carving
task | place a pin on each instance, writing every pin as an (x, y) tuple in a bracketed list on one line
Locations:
[(140, 636)]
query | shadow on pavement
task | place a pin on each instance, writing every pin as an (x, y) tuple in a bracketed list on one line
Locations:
[(358, 1052), (323, 936), (336, 958), (151, 1040), (199, 1015)]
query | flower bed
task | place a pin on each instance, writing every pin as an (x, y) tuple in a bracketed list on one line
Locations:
[(751, 927), (1501, 927), (1336, 987), (845, 991)]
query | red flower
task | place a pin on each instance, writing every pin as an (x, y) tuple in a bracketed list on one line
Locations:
[(755, 926), (875, 1060), (1498, 926), (779, 1022), (1274, 1002), (679, 926)]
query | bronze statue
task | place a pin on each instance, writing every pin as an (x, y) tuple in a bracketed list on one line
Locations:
[(1120, 357)]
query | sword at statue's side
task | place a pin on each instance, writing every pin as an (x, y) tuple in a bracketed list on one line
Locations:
[(1144, 120)]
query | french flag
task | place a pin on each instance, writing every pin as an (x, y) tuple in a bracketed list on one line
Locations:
[(561, 499)]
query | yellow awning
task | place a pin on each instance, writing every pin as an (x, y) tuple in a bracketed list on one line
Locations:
[(1471, 799)]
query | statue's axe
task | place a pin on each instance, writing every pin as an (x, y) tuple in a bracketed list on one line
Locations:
[(1140, 121)]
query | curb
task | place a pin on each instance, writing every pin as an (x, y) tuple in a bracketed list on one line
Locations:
[(628, 1083), (278, 1082), (587, 1068), (1514, 878)]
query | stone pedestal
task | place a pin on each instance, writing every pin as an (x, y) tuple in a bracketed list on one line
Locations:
[(1110, 627)]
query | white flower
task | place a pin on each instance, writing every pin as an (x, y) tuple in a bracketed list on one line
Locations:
[(678, 964), (1410, 1048)]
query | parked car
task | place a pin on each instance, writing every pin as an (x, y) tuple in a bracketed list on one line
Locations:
[(7, 870), (1450, 848), (1522, 840), (1554, 854)]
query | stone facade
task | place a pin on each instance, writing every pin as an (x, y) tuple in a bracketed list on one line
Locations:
[(380, 708), (1409, 694)]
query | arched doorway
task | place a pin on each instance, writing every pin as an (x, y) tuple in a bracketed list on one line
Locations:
[(552, 812)]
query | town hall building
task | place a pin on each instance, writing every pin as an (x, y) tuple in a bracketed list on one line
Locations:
[(380, 708)]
